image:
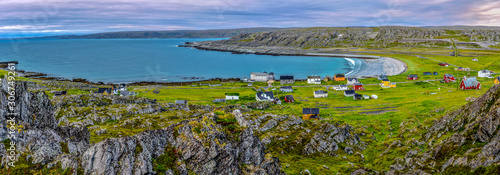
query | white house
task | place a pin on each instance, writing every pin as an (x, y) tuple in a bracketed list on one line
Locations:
[(265, 96), (351, 81), (232, 96), (258, 76), (313, 80), (342, 87), (320, 94), (484, 73)]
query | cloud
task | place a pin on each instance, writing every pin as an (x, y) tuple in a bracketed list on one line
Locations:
[(90, 16)]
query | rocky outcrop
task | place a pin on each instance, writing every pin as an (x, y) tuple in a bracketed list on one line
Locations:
[(469, 138)]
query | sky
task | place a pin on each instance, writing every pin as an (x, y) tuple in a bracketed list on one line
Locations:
[(25, 18)]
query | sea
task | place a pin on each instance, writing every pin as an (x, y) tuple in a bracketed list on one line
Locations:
[(157, 60)]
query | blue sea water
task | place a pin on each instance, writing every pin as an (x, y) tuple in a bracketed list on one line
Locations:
[(131, 60)]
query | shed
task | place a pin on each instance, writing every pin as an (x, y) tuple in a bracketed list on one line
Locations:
[(412, 77), (289, 98), (232, 96), (357, 97)]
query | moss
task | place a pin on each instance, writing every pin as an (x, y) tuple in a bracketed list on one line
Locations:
[(64, 147), (138, 148), (167, 161)]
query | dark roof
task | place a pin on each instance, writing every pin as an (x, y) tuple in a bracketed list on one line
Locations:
[(310, 110), (286, 77), (320, 92), (352, 79), (342, 85), (350, 92), (385, 79), (269, 94), (339, 75), (448, 75), (286, 87), (289, 97), (357, 84), (358, 96), (122, 86), (413, 75), (102, 90), (271, 73), (498, 78)]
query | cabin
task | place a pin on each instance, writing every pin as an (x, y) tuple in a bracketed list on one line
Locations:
[(381, 77), (259, 76), (220, 100), (286, 79), (232, 96), (320, 94), (341, 87), (270, 76), (357, 87), (181, 102), (60, 93), (286, 89), (470, 83), (310, 113), (412, 77), (357, 97), (448, 77), (289, 98), (313, 80), (444, 64), (484, 73), (339, 77), (497, 80), (351, 81), (427, 73), (105, 91), (265, 96), (385, 83), (349, 93)]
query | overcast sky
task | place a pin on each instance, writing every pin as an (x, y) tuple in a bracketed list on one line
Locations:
[(49, 17)]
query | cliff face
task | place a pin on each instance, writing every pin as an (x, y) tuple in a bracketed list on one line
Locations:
[(465, 141), (199, 145)]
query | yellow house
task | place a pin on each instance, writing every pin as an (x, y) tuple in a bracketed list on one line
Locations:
[(387, 84), (310, 113), (497, 80)]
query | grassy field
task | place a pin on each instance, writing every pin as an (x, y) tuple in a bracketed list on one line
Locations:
[(411, 105)]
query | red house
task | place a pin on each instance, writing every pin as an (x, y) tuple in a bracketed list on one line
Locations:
[(444, 64), (448, 77), (470, 83), (289, 98), (357, 86), (412, 77)]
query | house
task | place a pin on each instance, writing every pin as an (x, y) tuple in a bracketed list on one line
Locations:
[(470, 83), (497, 80), (484, 73), (327, 78), (105, 91), (444, 64), (181, 102), (427, 73), (475, 59), (412, 77), (341, 87), (381, 77), (265, 96), (289, 98), (220, 100), (310, 113), (270, 76), (320, 94), (351, 81), (339, 77), (232, 96), (349, 93), (460, 69), (258, 76), (60, 93), (385, 83), (313, 80), (435, 73), (357, 86), (448, 77), (122, 87), (286, 79), (357, 97), (115, 90), (286, 89)]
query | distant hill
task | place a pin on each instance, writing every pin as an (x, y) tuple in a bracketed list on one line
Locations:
[(214, 33)]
